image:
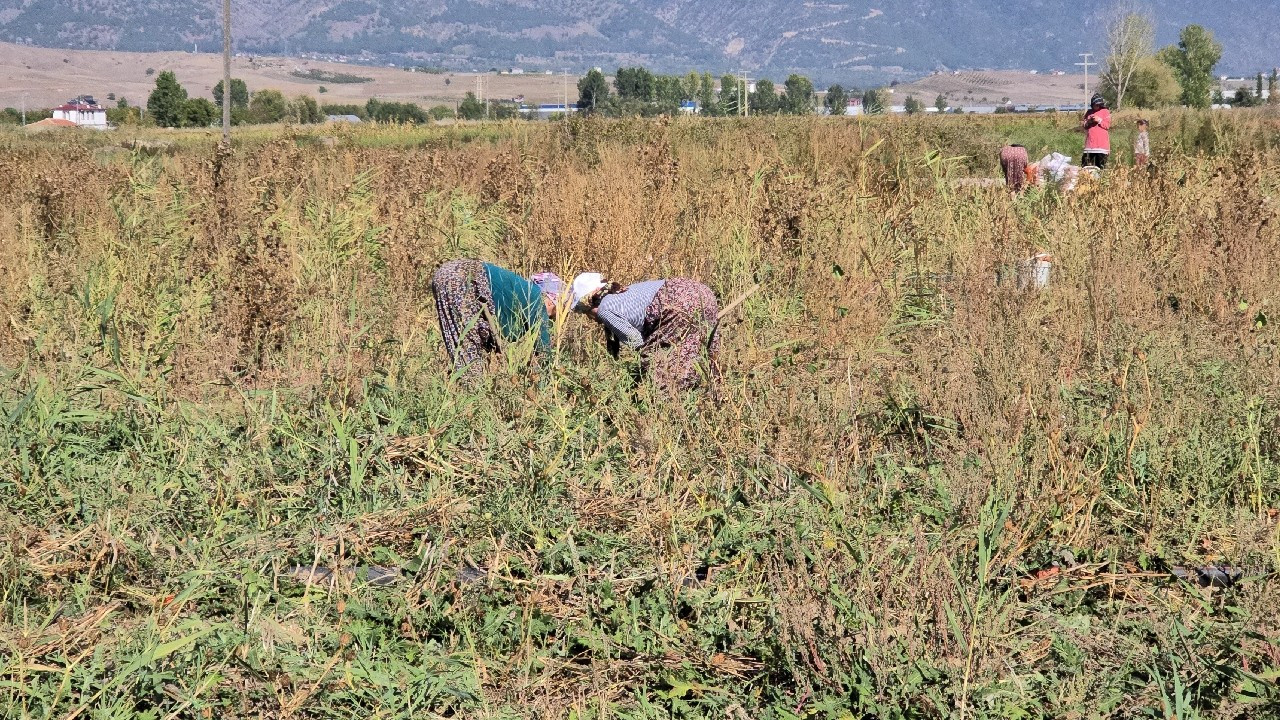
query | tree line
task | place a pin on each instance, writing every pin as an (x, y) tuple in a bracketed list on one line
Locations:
[(1137, 75), (170, 106), (639, 91)]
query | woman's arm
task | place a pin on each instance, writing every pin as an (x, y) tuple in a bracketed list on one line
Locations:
[(620, 328)]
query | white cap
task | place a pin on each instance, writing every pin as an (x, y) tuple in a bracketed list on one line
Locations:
[(585, 285)]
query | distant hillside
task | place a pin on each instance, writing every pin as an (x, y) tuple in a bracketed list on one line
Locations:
[(48, 77), (828, 40)]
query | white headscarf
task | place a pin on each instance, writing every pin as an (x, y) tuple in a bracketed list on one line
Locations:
[(584, 286)]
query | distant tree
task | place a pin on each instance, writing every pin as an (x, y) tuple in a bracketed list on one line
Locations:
[(198, 112), (635, 83), (593, 92), (120, 116), (1258, 91), (669, 92), (707, 94), (1273, 87), (122, 103), (395, 112), (304, 110), (875, 101), (799, 95), (239, 94), (764, 101), (166, 103), (1131, 37), (940, 102), (913, 106), (692, 85), (470, 108), (268, 106), (1193, 60), (1153, 85), (732, 94), (1244, 98), (837, 100), (440, 112), (504, 110), (350, 109)]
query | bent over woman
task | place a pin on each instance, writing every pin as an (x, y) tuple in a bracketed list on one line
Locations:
[(481, 306), (671, 322), (1013, 160)]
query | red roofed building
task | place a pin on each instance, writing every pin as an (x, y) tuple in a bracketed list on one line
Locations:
[(84, 111), (52, 123)]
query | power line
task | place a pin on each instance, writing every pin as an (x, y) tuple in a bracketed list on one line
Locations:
[(1086, 65), (226, 71)]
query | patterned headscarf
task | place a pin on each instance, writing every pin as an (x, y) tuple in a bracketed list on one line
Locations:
[(549, 283)]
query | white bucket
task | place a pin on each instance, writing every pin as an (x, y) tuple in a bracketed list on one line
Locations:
[(1033, 273)]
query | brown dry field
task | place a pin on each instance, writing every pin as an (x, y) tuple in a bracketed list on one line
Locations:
[(49, 76), (1020, 86)]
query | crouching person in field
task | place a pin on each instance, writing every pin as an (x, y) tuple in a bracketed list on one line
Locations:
[(482, 307), (671, 322)]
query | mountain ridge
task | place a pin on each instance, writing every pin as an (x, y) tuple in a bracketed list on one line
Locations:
[(823, 39)]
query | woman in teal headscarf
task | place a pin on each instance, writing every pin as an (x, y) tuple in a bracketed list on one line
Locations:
[(482, 306)]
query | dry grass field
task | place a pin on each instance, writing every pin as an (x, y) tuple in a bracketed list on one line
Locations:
[(237, 481), (968, 88), (50, 76)]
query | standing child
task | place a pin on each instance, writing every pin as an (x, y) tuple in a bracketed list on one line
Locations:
[(1142, 146)]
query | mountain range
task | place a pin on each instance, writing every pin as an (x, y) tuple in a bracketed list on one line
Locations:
[(826, 39)]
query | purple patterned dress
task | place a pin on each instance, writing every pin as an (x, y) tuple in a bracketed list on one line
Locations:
[(681, 346), (462, 293)]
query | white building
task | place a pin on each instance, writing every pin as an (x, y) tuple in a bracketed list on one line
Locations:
[(84, 111)]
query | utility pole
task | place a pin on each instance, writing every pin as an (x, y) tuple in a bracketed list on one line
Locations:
[(1086, 65), (24, 109), (226, 72), (566, 92)]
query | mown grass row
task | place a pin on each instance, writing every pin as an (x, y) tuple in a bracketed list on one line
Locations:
[(926, 493)]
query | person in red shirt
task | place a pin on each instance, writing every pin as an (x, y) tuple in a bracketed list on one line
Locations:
[(1097, 135)]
